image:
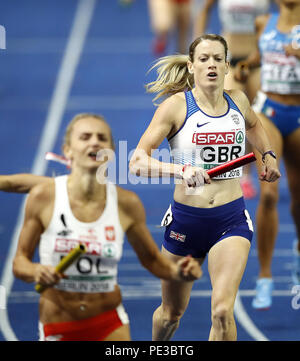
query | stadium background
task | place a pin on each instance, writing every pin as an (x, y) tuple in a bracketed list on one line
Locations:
[(66, 57)]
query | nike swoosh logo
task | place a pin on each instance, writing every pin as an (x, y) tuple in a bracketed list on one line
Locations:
[(201, 125)]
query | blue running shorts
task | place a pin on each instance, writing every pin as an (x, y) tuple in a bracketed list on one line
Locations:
[(285, 117), (194, 231)]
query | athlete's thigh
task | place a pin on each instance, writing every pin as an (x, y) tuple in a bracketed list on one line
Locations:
[(227, 260), (120, 334), (161, 14), (292, 161), (253, 84), (176, 294), (182, 10)]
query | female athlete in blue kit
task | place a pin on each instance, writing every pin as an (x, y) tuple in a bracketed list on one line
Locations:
[(237, 22), (76, 208), (205, 126), (278, 107)]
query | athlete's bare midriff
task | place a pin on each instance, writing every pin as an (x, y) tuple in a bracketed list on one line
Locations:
[(217, 193), (240, 45), (61, 306)]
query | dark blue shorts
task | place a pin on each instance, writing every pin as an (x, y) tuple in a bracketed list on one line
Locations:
[(285, 117), (194, 231)]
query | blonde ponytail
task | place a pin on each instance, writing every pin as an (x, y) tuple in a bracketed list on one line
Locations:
[(173, 76)]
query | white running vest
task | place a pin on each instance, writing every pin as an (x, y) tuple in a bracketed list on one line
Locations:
[(96, 270), (238, 16), (206, 141)]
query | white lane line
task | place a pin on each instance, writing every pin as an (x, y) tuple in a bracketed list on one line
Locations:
[(143, 291), (80, 26), (110, 45), (284, 228), (246, 322), (76, 102), (115, 102)]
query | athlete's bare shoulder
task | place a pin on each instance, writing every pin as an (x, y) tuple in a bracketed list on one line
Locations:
[(43, 192), (179, 95), (178, 98), (240, 99), (172, 112), (40, 202), (261, 22), (128, 201), (174, 102)]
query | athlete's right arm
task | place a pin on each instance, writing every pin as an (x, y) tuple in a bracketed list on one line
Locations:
[(162, 124), (20, 183), (168, 117), (33, 227)]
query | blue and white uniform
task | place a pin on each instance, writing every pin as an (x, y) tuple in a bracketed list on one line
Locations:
[(206, 141), (280, 74)]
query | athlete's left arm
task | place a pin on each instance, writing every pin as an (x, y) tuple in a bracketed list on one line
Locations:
[(257, 137), (20, 183), (132, 215)]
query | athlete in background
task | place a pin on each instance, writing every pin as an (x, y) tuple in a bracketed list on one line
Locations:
[(278, 107), (166, 17)]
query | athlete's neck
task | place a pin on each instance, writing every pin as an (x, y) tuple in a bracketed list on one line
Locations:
[(210, 100), (289, 17), (85, 187)]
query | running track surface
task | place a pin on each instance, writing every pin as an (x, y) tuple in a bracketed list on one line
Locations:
[(106, 75)]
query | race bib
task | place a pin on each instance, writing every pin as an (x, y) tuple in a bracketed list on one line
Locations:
[(93, 272), (167, 218), (280, 74)]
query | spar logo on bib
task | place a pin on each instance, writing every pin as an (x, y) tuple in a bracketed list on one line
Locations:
[(109, 250), (65, 245), (214, 138), (239, 137)]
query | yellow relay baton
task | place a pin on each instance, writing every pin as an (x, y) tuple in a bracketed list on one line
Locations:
[(65, 263)]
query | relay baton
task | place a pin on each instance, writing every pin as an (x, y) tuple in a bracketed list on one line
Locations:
[(65, 263), (232, 164)]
